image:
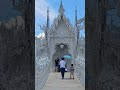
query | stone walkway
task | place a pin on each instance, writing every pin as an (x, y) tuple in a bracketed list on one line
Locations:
[(55, 82)]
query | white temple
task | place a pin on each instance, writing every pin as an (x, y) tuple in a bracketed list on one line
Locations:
[(61, 37)]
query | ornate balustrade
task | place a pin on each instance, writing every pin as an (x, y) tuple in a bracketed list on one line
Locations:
[(80, 69), (42, 71)]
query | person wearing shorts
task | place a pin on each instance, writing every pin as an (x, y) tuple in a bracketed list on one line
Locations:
[(72, 71)]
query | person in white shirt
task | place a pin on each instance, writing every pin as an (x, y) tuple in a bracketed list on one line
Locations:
[(62, 67)]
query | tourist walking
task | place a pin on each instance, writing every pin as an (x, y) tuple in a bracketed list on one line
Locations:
[(72, 71), (62, 67)]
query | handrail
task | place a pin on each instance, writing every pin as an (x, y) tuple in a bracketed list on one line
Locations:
[(80, 69), (42, 72)]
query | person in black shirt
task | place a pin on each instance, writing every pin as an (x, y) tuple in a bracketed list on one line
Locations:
[(56, 64)]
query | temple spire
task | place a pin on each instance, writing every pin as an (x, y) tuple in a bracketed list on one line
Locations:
[(61, 9), (75, 16), (47, 17)]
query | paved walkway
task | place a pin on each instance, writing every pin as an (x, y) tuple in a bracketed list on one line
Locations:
[(55, 82)]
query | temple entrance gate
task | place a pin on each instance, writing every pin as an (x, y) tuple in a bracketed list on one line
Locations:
[(60, 51)]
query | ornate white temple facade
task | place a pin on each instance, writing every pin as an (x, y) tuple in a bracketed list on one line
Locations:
[(61, 37)]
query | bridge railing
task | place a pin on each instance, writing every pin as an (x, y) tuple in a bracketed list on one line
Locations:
[(80, 69), (41, 73)]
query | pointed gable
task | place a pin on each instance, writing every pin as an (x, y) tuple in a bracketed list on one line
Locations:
[(61, 24)]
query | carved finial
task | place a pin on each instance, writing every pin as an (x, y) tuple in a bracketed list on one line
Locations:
[(76, 16), (47, 17), (61, 9)]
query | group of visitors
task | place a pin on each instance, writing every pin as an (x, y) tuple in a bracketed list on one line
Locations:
[(61, 66)]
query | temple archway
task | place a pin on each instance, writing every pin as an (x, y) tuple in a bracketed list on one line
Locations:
[(60, 51)]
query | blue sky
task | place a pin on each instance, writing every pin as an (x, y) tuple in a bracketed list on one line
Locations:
[(69, 6)]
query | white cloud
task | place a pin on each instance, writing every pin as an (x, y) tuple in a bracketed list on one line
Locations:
[(41, 10), (41, 35)]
